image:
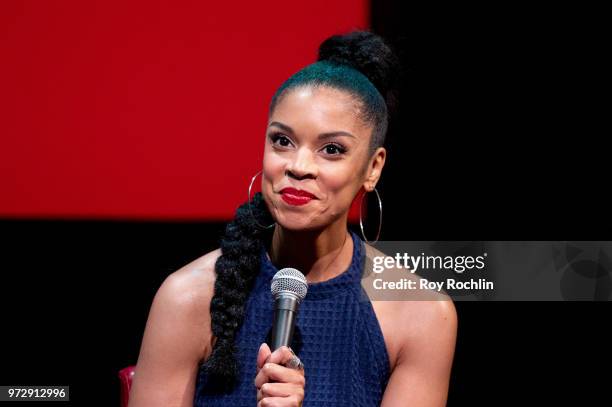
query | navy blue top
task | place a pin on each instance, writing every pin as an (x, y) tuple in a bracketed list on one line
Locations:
[(337, 337)]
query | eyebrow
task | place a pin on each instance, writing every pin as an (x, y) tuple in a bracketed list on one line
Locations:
[(322, 136)]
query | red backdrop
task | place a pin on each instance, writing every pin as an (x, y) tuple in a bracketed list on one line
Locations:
[(146, 110)]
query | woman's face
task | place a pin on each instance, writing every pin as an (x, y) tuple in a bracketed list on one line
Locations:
[(316, 143)]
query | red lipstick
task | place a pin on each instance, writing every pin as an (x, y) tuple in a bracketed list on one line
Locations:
[(296, 196)]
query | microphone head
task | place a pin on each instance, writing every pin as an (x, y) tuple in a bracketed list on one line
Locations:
[(289, 281)]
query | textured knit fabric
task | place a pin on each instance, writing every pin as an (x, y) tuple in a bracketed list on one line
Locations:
[(337, 337)]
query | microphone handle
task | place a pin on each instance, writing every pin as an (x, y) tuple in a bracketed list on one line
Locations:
[(285, 315)]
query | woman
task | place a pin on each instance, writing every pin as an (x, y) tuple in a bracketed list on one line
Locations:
[(205, 339)]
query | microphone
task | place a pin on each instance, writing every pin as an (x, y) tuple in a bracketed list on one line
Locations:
[(289, 287)]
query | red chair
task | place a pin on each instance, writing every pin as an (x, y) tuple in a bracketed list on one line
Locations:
[(125, 376)]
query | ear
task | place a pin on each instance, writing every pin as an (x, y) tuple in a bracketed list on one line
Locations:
[(374, 169)]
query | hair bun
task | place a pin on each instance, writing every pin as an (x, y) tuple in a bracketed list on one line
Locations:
[(371, 55)]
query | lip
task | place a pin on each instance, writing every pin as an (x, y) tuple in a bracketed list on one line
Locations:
[(297, 192), (296, 196)]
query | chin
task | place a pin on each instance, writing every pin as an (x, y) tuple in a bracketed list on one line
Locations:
[(297, 223)]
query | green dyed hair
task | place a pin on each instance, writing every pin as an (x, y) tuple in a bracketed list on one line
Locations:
[(362, 64)]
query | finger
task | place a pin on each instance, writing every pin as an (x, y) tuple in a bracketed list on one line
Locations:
[(279, 401), (279, 390), (263, 354), (281, 355), (272, 371)]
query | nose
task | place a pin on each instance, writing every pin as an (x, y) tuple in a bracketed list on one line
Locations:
[(302, 166)]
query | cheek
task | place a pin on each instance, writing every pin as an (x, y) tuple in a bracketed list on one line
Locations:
[(273, 169), (340, 186), (270, 159)]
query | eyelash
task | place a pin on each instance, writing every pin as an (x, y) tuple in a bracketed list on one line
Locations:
[(339, 147)]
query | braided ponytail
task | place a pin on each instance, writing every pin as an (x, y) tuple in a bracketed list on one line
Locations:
[(236, 270)]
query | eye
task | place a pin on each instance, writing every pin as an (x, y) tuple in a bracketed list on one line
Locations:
[(283, 141), (334, 149)]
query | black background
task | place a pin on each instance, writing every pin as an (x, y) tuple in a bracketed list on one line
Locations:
[(497, 139)]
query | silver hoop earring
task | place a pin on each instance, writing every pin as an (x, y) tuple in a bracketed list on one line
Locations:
[(379, 217), (249, 203)]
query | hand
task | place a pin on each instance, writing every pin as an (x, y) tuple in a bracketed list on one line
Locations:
[(276, 384)]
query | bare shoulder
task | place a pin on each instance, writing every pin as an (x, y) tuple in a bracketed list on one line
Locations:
[(193, 285), (186, 294), (419, 330), (177, 337), (426, 336), (197, 278), (429, 309), (410, 322), (424, 319)]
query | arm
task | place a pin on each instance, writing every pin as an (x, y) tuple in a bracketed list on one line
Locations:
[(176, 338), (422, 373)]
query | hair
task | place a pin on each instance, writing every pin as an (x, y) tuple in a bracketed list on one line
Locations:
[(360, 63), (236, 270)]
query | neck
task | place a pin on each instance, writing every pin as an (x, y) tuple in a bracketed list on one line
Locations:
[(320, 255)]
